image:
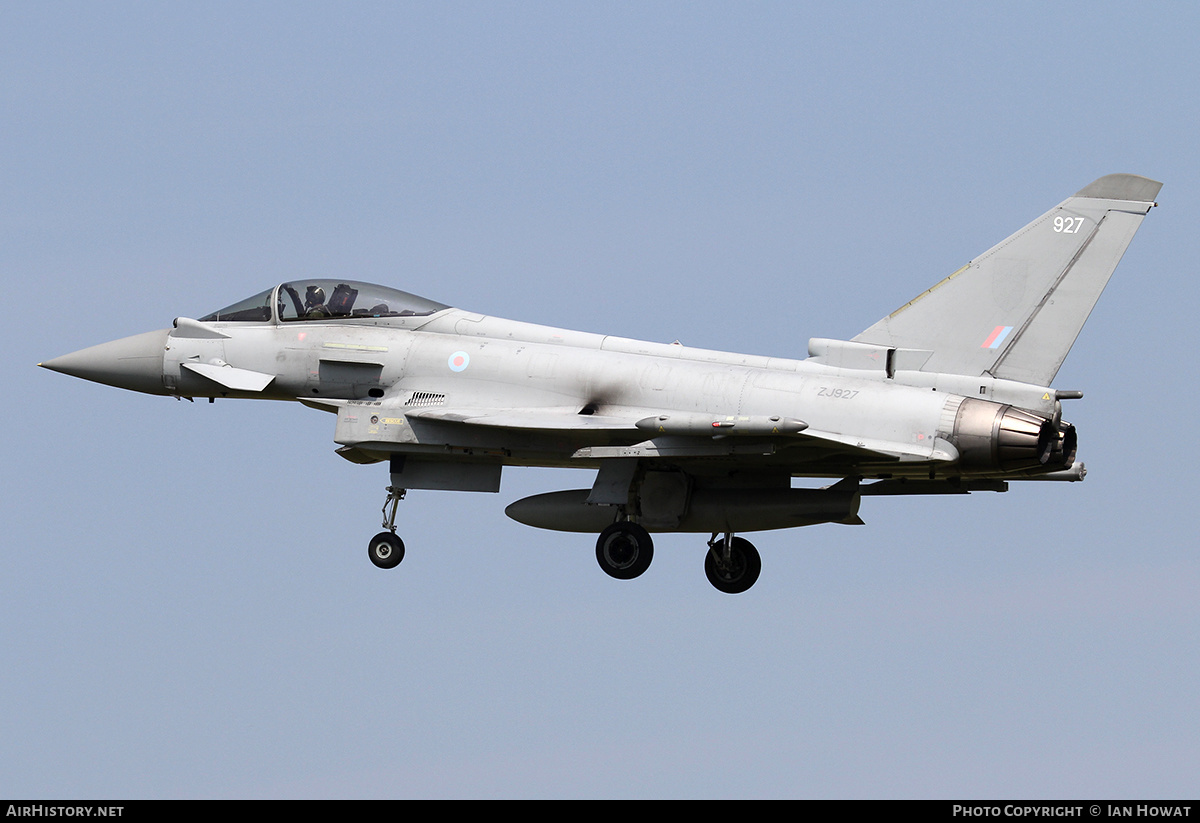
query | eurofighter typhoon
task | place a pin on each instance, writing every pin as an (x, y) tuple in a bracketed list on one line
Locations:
[(950, 393)]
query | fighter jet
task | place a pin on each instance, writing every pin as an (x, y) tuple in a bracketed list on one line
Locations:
[(949, 394)]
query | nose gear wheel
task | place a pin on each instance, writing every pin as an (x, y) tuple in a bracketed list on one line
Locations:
[(386, 549)]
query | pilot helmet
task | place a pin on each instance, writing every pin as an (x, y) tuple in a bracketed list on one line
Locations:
[(315, 296)]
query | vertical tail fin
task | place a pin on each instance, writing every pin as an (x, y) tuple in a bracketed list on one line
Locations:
[(1015, 311)]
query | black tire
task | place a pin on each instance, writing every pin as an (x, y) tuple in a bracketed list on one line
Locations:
[(386, 550), (624, 550), (741, 572)]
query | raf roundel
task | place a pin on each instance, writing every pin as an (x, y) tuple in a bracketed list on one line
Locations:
[(458, 361)]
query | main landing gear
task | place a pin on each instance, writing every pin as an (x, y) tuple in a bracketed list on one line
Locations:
[(625, 549), (732, 563), (386, 549)]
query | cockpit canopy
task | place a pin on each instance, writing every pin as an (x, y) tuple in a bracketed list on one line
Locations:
[(315, 300)]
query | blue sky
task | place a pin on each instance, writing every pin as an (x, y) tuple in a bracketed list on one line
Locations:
[(188, 608)]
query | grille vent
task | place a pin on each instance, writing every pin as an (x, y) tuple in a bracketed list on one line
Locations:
[(426, 398)]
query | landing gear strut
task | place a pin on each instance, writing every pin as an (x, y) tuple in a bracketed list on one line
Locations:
[(624, 550), (386, 549), (732, 563)]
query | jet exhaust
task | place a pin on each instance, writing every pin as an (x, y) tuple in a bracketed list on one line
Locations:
[(991, 436)]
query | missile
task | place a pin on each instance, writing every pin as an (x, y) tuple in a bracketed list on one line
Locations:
[(720, 425)]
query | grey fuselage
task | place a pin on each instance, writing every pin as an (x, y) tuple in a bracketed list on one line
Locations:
[(948, 394), (400, 371)]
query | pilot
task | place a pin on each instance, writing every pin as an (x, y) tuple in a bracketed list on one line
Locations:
[(314, 303)]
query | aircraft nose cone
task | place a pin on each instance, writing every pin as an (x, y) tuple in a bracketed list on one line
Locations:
[(134, 363)]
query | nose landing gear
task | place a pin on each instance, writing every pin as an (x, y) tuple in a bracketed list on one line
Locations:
[(386, 549)]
